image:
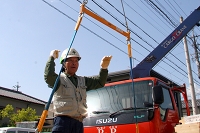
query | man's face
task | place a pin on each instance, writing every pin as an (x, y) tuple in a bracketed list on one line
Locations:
[(71, 65)]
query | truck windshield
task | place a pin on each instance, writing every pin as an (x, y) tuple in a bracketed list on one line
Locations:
[(117, 97)]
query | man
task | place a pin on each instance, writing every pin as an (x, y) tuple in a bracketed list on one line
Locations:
[(69, 99)]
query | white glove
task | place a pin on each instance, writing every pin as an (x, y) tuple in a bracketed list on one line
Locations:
[(54, 53), (105, 62)]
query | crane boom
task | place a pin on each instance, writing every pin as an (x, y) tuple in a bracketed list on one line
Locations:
[(145, 66)]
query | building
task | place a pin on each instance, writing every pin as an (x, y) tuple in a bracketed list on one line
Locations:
[(190, 106), (19, 100)]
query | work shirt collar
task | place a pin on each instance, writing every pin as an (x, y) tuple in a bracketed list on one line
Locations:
[(69, 76)]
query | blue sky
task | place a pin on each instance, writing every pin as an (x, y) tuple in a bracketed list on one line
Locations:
[(31, 29)]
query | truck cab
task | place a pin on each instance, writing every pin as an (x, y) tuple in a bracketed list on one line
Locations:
[(147, 105)]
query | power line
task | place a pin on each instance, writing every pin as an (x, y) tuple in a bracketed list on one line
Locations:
[(90, 30), (148, 43)]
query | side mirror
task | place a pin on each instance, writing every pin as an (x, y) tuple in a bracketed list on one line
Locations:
[(158, 97)]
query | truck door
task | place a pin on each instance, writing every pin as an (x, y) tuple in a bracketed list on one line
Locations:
[(168, 112)]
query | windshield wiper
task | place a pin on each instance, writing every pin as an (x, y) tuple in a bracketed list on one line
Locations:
[(121, 111), (100, 112)]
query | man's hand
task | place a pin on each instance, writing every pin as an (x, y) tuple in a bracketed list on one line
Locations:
[(105, 62), (54, 53)]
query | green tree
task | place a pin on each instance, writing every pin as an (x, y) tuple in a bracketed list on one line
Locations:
[(27, 114), (8, 111)]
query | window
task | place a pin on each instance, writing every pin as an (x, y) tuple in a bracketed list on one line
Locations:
[(10, 132), (18, 109), (116, 97), (167, 104)]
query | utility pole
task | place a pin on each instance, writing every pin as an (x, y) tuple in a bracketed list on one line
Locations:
[(196, 56), (17, 86), (190, 77)]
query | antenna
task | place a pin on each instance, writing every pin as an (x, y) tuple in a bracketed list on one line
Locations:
[(17, 86)]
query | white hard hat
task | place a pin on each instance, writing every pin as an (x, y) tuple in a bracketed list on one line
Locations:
[(72, 53)]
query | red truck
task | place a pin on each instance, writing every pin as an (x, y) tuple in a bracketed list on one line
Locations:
[(116, 109)]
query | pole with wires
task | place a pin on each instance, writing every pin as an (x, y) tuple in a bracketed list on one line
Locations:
[(45, 111), (131, 69)]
